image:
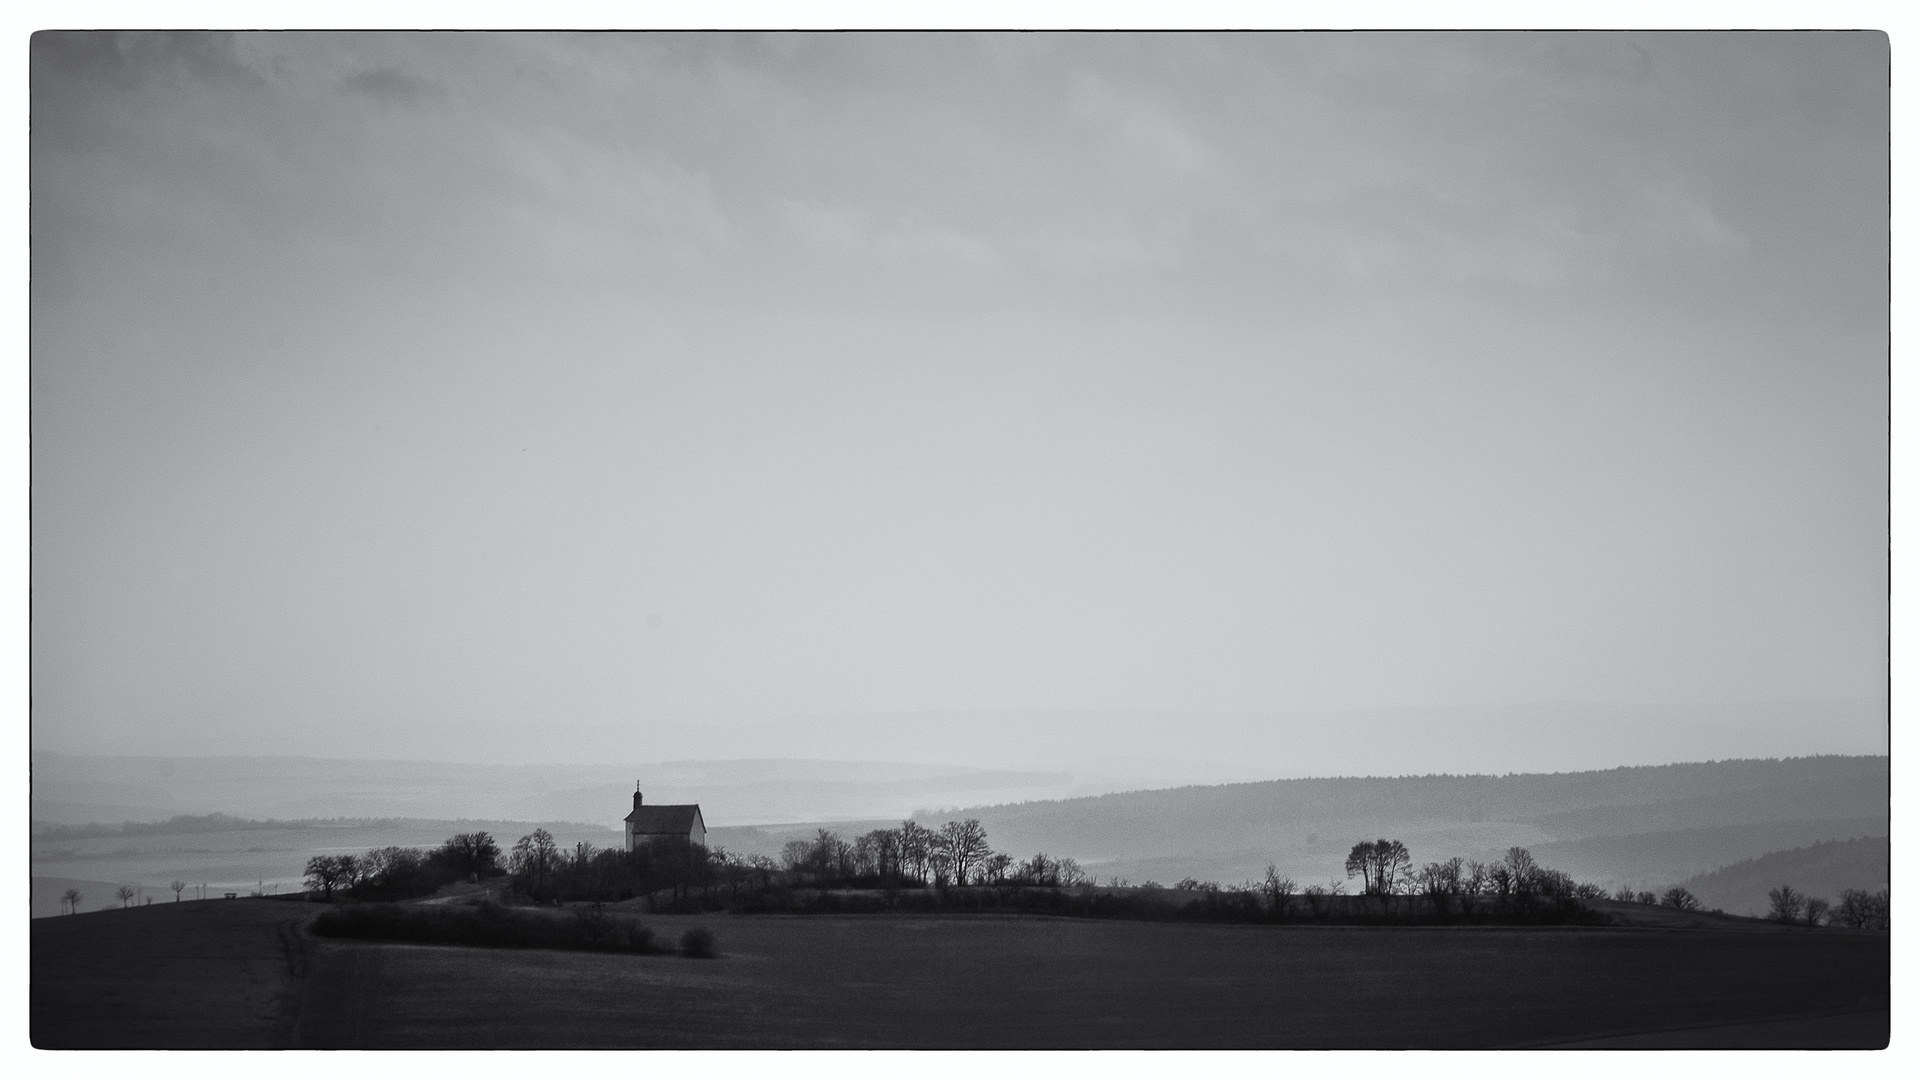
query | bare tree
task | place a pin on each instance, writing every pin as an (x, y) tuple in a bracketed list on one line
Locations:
[(535, 857), (940, 861), (916, 848), (71, 900), (1523, 874), (796, 855), (1473, 882), (1321, 897), (1039, 870), (765, 867), (1279, 892), (177, 887), (1816, 911), (886, 853), (1862, 910), (1500, 882), (328, 872), (865, 860), (733, 869), (1440, 882), (828, 854), (965, 844), (994, 868), (1785, 904), (123, 894)]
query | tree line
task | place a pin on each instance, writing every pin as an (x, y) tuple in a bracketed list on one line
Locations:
[(1858, 909), (911, 855), (955, 854), (954, 865), (1514, 885)]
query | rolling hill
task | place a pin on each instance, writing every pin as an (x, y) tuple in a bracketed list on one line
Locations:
[(1822, 869), (1644, 826)]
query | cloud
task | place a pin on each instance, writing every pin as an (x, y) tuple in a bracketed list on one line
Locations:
[(1151, 131), (390, 86), (850, 230)]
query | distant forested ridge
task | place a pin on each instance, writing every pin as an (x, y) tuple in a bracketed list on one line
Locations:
[(1824, 870), (179, 824)]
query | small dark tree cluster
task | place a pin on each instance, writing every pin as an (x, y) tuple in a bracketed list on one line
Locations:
[(955, 854), (1858, 909), (1383, 866), (1862, 910), (1514, 887), (397, 873)]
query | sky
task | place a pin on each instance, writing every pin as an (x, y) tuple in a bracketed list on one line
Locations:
[(514, 397)]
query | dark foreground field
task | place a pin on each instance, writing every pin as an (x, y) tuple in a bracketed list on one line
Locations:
[(241, 973)]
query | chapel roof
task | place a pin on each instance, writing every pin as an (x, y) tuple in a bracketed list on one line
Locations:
[(677, 820)]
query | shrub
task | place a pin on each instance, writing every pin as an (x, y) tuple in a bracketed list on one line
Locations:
[(1678, 897), (486, 924), (698, 942)]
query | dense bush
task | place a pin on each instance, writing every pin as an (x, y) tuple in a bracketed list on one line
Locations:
[(1680, 898), (698, 942), (1235, 905), (487, 924)]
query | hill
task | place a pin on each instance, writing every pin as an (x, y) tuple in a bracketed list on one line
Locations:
[(1822, 869), (1644, 826)]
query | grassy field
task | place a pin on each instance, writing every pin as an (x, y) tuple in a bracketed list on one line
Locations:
[(238, 973), (213, 974)]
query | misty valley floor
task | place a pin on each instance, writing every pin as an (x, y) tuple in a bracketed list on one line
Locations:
[(241, 973)]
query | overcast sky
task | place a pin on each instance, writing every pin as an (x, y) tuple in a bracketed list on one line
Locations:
[(450, 395)]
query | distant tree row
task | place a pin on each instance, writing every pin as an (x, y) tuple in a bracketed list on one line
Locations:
[(1858, 908), (911, 856), (955, 854), (1514, 885), (953, 865)]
